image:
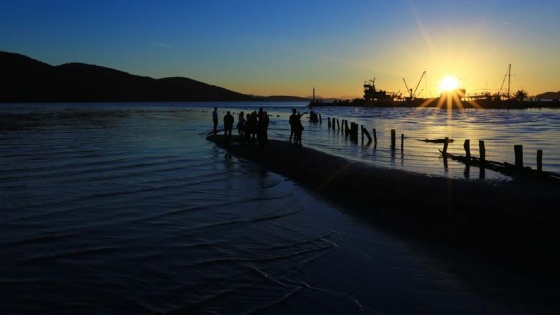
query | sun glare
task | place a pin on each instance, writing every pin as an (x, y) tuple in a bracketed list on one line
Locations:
[(448, 84)]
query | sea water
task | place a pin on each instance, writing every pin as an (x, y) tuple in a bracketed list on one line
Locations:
[(127, 209)]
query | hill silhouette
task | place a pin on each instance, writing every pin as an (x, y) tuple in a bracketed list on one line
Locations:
[(23, 79), (549, 95)]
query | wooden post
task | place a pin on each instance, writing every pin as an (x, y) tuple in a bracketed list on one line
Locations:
[(445, 143), (467, 146), (364, 131), (482, 151), (393, 139), (329, 122), (467, 171), (320, 119), (374, 136), (402, 142), (338, 123), (354, 132), (539, 160), (518, 156)]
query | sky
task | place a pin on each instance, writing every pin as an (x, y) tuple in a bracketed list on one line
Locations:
[(289, 47)]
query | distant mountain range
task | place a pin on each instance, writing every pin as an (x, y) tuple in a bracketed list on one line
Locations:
[(23, 79)]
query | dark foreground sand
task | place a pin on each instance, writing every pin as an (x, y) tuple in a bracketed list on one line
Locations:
[(514, 224)]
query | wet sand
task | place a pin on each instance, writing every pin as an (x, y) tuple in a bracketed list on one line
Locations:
[(513, 226)]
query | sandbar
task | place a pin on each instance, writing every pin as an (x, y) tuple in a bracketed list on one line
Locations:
[(513, 223)]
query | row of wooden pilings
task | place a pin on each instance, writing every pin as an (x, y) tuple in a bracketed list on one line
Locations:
[(352, 132), (353, 129), (518, 151)]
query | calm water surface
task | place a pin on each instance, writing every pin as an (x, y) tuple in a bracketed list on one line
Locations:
[(125, 208)]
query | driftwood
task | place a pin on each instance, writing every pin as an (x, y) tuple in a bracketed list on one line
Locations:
[(504, 168), (436, 140)]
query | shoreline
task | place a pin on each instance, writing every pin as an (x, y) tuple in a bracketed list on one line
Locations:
[(511, 224), (442, 102)]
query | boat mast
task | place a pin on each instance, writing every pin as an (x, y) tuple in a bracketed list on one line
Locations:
[(508, 75), (509, 79)]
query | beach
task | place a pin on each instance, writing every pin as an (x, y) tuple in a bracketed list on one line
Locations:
[(512, 225)]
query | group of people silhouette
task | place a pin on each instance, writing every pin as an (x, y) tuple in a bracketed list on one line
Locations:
[(253, 127)]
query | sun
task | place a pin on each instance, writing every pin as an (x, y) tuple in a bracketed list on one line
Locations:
[(448, 84)]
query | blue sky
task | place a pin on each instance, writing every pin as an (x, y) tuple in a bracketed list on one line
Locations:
[(266, 47)]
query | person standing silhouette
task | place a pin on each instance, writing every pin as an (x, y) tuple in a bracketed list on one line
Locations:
[(293, 122), (264, 130), (241, 128), (251, 127), (215, 119), (298, 128), (228, 126)]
